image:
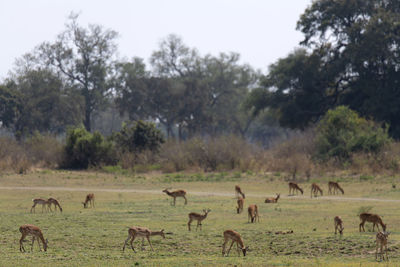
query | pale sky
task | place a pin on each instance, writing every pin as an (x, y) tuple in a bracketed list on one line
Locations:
[(261, 31)]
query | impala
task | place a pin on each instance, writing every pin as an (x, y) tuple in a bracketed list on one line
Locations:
[(272, 199), (315, 189), (175, 194), (55, 203), (236, 238), (338, 225), (294, 187), (238, 191), (334, 187), (39, 201), (374, 218), (142, 232), (381, 241), (89, 200), (240, 203), (198, 217), (35, 232), (253, 213)]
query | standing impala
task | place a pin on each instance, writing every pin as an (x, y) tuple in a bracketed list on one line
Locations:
[(315, 189), (294, 187), (35, 232), (193, 216), (374, 218), (238, 191), (175, 194), (240, 203), (338, 224), (253, 213), (142, 232), (381, 241), (236, 238), (39, 201), (89, 199), (55, 203), (272, 199), (334, 187)]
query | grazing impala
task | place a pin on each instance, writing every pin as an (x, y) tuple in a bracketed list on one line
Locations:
[(272, 199), (294, 187), (198, 217), (238, 191), (236, 238), (375, 219), (175, 194), (142, 232), (39, 201), (35, 232), (55, 203), (381, 241), (338, 225), (89, 199), (334, 187), (253, 213), (315, 189), (240, 203)]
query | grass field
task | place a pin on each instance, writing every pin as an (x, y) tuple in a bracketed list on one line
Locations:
[(94, 237)]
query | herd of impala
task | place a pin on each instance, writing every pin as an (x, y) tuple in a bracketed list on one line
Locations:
[(229, 235)]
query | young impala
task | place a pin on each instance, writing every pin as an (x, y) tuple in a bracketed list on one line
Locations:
[(240, 203), (89, 199), (381, 241), (39, 201), (374, 218), (315, 189), (193, 216), (253, 213), (294, 187), (334, 187), (35, 232), (175, 194), (142, 232), (55, 203), (236, 238), (272, 199), (238, 191), (338, 225)]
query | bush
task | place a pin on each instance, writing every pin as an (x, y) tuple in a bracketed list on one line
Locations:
[(44, 150), (342, 132), (138, 137), (84, 149)]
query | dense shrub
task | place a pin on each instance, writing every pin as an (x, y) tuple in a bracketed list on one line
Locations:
[(138, 137), (44, 150), (84, 149), (342, 132)]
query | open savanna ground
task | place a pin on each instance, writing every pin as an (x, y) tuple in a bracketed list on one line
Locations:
[(94, 237)]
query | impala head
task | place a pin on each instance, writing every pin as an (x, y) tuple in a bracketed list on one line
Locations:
[(60, 209), (301, 190), (166, 190), (341, 230), (384, 227), (162, 233), (84, 204), (244, 250), (45, 245), (206, 211), (277, 196)]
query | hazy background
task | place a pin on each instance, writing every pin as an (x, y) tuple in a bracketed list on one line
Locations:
[(261, 31)]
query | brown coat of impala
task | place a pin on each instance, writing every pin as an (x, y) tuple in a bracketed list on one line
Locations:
[(338, 222), (230, 235), (294, 187), (194, 216), (373, 218), (240, 203), (253, 213), (89, 200), (175, 194), (142, 232), (55, 203), (238, 191), (39, 201), (334, 187), (381, 242), (315, 189), (35, 232), (272, 199)]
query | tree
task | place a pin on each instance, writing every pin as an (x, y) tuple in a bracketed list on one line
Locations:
[(10, 106), (83, 57)]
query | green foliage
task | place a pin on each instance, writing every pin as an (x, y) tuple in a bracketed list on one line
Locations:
[(342, 132), (138, 137), (84, 149)]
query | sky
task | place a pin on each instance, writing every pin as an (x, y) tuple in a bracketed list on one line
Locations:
[(261, 31)]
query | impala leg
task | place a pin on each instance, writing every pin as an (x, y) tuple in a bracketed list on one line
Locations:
[(376, 251), (126, 242), (174, 201), (133, 238), (223, 247), (230, 247), (148, 239), (33, 240), (38, 241), (33, 208), (21, 245), (185, 199), (386, 253), (190, 221), (237, 248), (93, 203), (142, 243)]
